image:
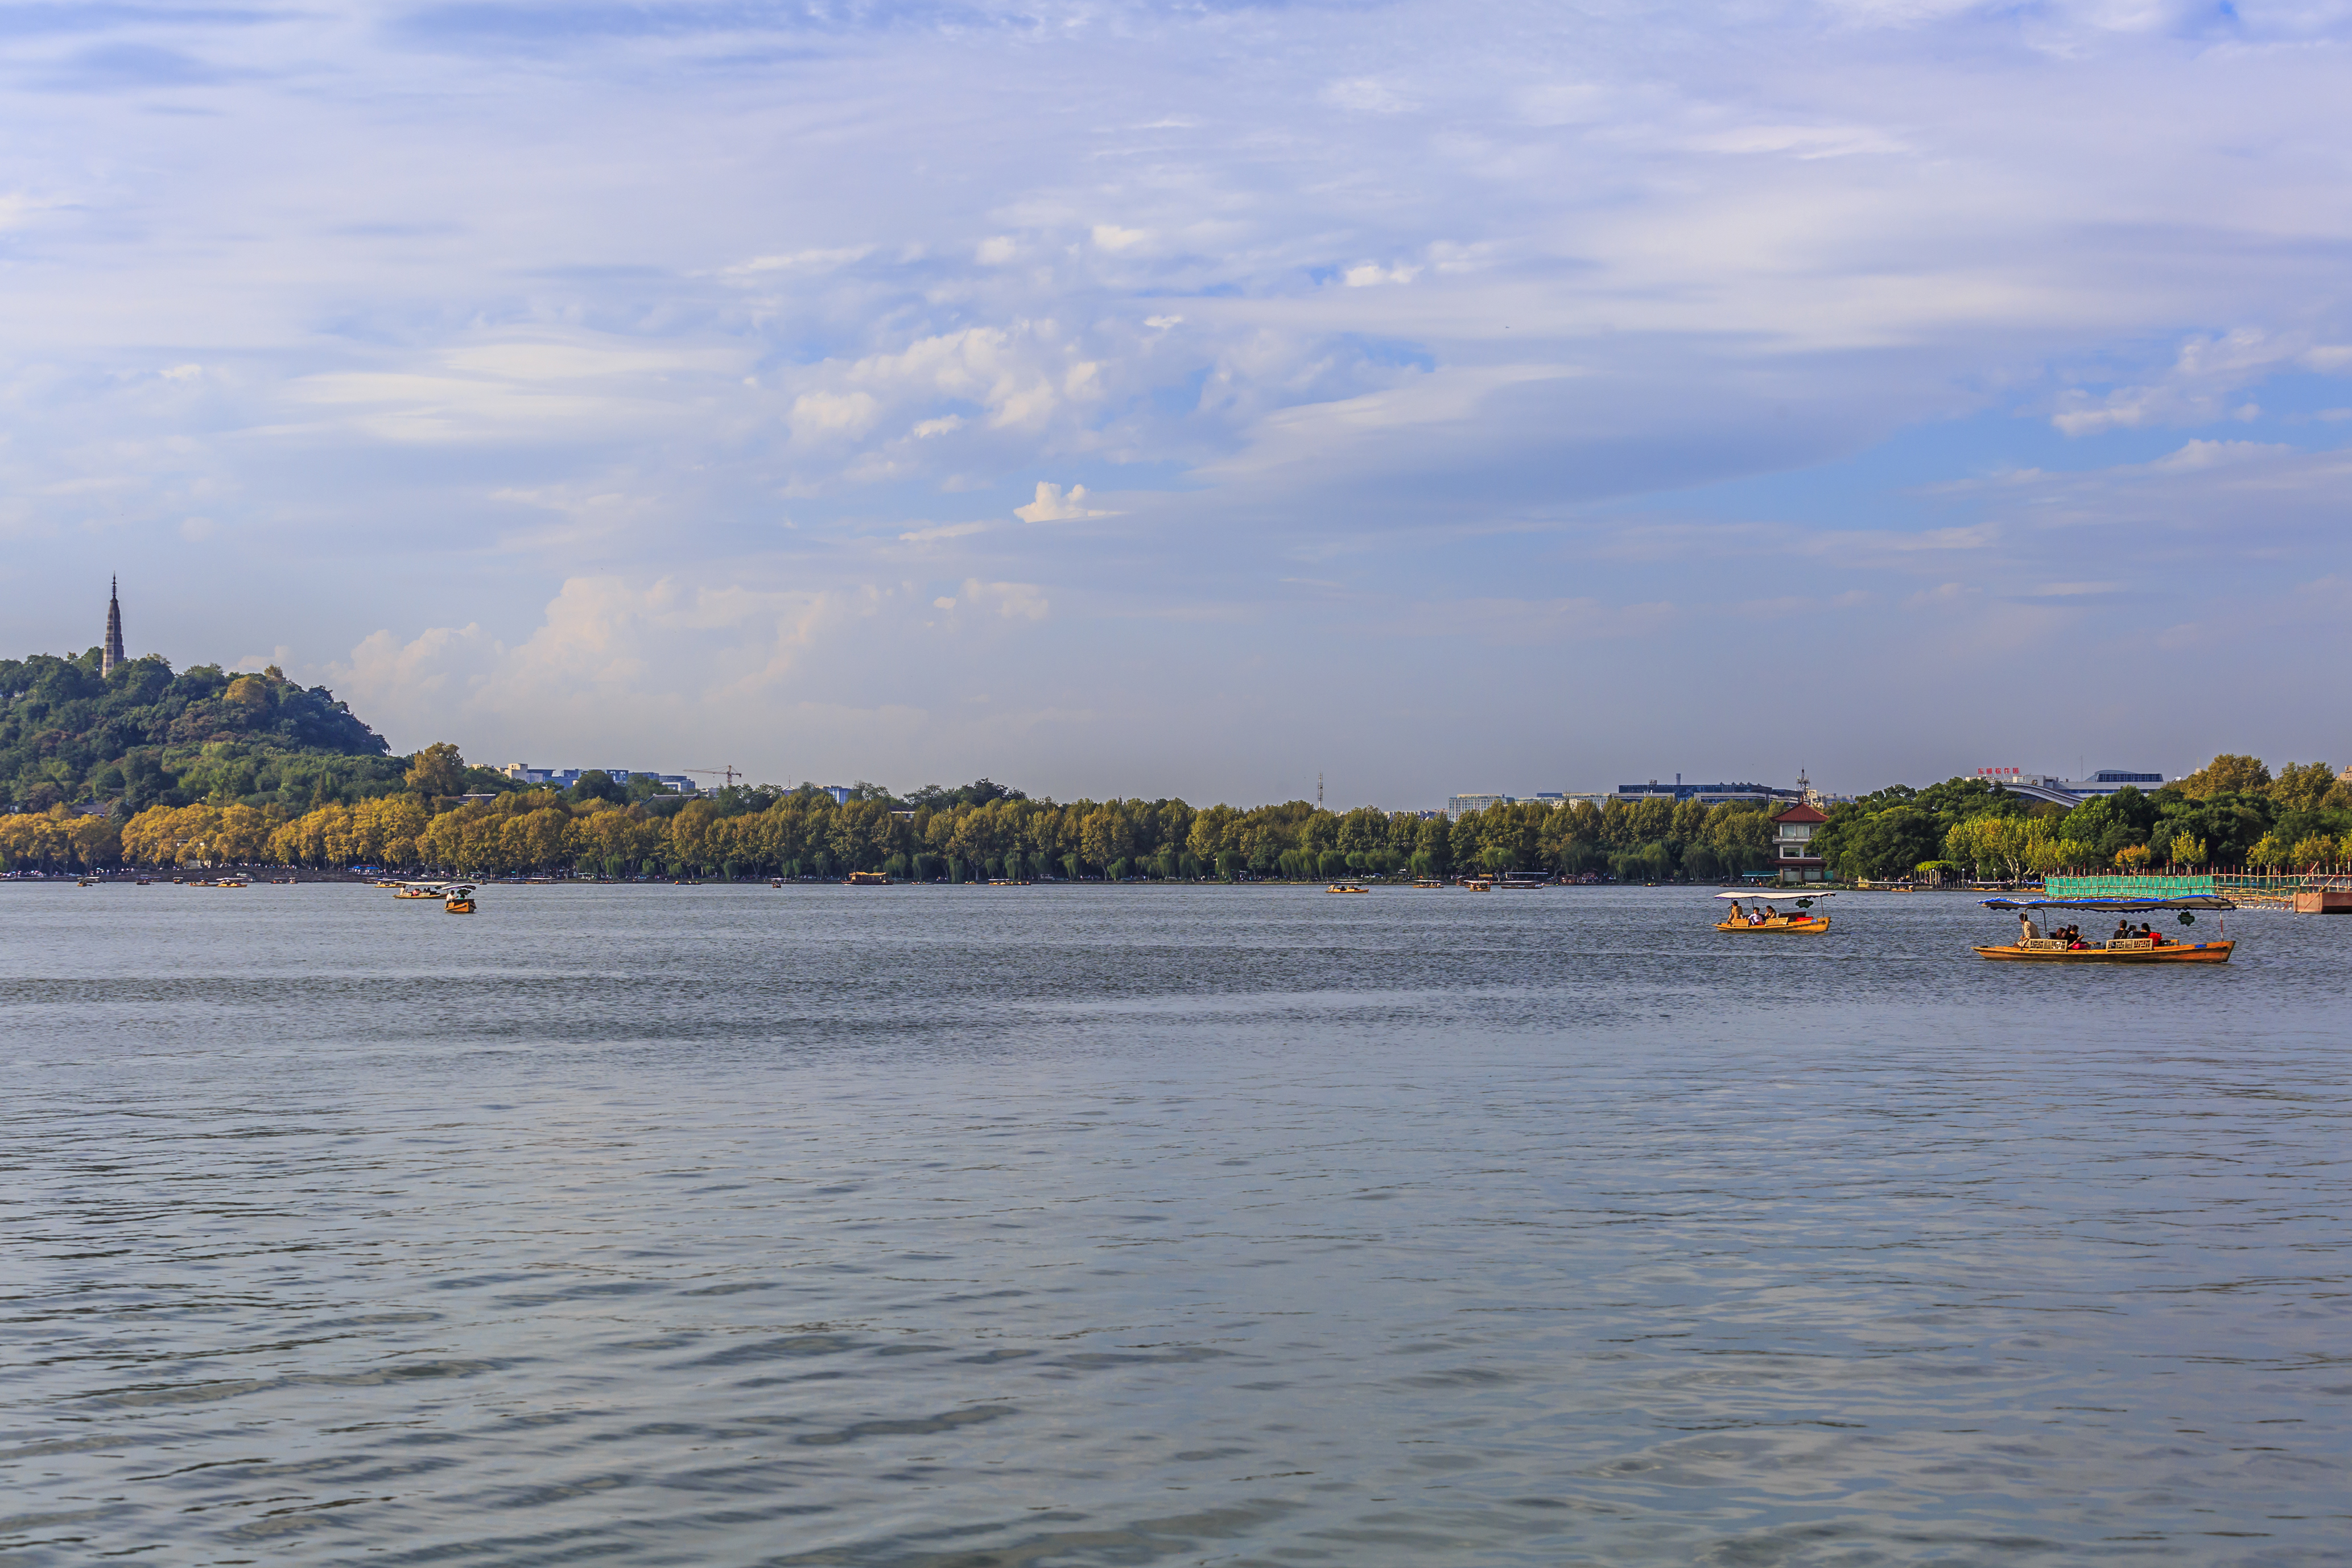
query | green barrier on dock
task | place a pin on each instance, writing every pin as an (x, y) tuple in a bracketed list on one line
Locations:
[(2122, 887)]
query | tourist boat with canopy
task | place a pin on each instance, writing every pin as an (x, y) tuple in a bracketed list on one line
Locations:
[(1803, 922), (420, 889), (2142, 943), (458, 899)]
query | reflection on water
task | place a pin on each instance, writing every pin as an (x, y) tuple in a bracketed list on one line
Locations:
[(1125, 1226)]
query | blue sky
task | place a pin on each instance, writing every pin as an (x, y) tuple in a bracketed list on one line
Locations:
[(1190, 399)]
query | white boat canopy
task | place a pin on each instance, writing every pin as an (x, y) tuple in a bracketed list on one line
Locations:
[(2115, 906), (1782, 892)]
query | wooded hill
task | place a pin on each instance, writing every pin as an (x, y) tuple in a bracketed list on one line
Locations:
[(146, 736)]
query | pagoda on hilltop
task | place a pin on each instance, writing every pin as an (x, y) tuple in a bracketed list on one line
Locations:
[(112, 654)]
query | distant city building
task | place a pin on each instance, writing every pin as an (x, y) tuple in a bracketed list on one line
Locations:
[(111, 654), (1708, 793), (1794, 859), (840, 793), (2069, 792), (564, 778), (1552, 798)]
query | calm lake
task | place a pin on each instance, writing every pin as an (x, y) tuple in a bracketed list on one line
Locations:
[(1023, 1227)]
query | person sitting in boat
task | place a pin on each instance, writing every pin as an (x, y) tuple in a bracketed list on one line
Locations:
[(1756, 916), (2026, 930), (1738, 915), (1770, 915), (2123, 931)]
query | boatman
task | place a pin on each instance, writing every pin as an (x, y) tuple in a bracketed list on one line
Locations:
[(2026, 930)]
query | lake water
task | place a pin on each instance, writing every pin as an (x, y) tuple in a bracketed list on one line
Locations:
[(1023, 1227)]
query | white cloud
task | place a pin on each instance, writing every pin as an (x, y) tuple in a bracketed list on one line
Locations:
[(1801, 141), (1053, 506), (2213, 454), (942, 532), (1013, 601), (795, 261), (2199, 388), (1111, 237), (2072, 590), (1523, 622), (829, 413), (1367, 95)]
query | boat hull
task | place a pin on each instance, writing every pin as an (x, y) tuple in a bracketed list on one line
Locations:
[(1812, 925), (2174, 953)]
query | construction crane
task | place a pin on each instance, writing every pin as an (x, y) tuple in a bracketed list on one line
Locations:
[(727, 773)]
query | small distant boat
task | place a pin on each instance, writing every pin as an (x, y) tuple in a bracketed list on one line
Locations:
[(420, 889), (1479, 884), (1429, 882), (1346, 887), (868, 880), (2153, 948), (87, 882), (1802, 923), (458, 899)]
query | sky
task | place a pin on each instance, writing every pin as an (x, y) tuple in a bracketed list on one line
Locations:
[(1197, 399)]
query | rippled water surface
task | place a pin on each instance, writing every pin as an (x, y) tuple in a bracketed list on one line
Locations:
[(1084, 1225)]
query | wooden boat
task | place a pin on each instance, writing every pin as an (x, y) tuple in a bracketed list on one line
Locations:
[(1802, 923), (421, 889), (459, 901), (868, 880), (1479, 884), (1429, 882), (2154, 948), (1346, 887)]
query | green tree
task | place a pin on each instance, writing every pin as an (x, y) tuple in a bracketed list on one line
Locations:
[(437, 769), (1879, 844), (2303, 786), (2229, 774), (1436, 843)]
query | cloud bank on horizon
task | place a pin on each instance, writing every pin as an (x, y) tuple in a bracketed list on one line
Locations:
[(1192, 398)]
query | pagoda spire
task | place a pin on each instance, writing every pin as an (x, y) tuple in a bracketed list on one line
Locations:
[(112, 655)]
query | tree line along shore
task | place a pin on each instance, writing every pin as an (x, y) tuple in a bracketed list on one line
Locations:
[(984, 832), (214, 767)]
